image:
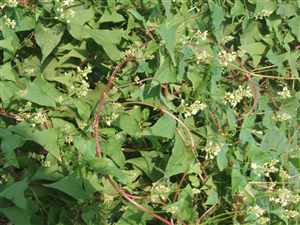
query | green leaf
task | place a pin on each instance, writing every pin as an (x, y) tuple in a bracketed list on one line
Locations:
[(237, 9), (168, 34), (165, 72), (294, 24), (7, 91), (7, 73), (9, 143), (180, 160), (113, 17), (167, 5), (83, 109), (129, 125), (74, 186), (41, 92), (293, 62), (217, 16), (16, 216), (287, 10), (25, 23), (212, 197), (81, 15), (108, 40), (105, 166), (113, 149), (15, 193), (238, 181), (275, 139), (222, 159), (268, 5), (48, 139), (255, 49), (185, 209), (86, 147), (245, 134), (164, 127), (48, 38)]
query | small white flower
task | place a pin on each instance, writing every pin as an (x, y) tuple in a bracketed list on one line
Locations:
[(202, 35), (193, 109), (212, 150), (202, 56), (12, 3), (257, 211), (263, 13), (227, 39), (285, 93), (282, 116), (235, 97), (10, 22), (226, 58)]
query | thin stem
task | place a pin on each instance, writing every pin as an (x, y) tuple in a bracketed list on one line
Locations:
[(193, 146), (262, 75), (101, 102), (10, 115), (179, 186), (128, 198), (102, 97)]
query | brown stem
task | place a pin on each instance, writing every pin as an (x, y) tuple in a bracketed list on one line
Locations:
[(179, 186), (101, 102), (130, 198), (10, 115), (137, 205)]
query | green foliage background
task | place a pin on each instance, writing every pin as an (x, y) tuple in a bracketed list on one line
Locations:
[(201, 125)]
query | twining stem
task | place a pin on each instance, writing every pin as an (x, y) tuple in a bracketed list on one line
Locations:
[(137, 205), (101, 102), (130, 198), (10, 115), (262, 75)]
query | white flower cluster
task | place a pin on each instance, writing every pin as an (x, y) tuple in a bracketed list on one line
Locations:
[(212, 149), (159, 192), (291, 214), (201, 35), (285, 93), (10, 22), (284, 174), (36, 156), (235, 97), (66, 3), (266, 169), (173, 209), (282, 116), (38, 118), (263, 13), (9, 3), (3, 179), (284, 197), (80, 86), (63, 10), (259, 212), (193, 109), (115, 109), (68, 134), (227, 39), (202, 57), (226, 58)]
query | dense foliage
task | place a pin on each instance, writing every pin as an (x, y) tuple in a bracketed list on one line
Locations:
[(149, 112)]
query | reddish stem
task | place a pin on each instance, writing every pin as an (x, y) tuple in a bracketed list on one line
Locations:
[(130, 198), (137, 205), (101, 102)]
